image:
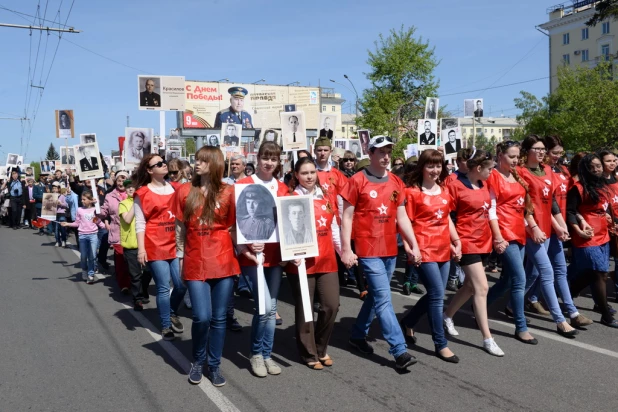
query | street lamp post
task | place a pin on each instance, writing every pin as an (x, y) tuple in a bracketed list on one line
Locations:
[(355, 92)]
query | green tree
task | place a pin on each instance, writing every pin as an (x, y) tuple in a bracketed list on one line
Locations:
[(402, 77), (190, 146), (582, 109), (52, 154), (36, 166), (605, 9)]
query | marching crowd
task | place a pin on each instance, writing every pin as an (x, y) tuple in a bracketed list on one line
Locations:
[(551, 228)]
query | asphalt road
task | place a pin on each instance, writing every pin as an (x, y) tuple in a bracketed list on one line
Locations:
[(69, 346)]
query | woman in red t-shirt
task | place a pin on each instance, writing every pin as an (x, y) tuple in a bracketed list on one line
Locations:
[(263, 326), (205, 212), (588, 215), (312, 337), (428, 207), (610, 161), (156, 243), (470, 205)]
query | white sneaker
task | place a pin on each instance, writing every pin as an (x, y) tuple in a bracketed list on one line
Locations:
[(258, 367), (272, 367), (449, 326), (90, 280), (188, 300), (57, 244), (492, 347), (64, 244)]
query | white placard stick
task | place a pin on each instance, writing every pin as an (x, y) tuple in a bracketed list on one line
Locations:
[(95, 195), (261, 284), (304, 291)]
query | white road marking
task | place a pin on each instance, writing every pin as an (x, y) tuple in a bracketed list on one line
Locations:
[(218, 398)]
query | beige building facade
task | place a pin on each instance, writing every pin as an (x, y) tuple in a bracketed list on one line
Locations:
[(572, 43)]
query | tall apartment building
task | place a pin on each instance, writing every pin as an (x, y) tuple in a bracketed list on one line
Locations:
[(572, 43)]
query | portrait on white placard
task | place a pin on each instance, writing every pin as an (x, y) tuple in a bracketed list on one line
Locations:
[(67, 157), (427, 131), (138, 143), (150, 91), (256, 214), (364, 137), (297, 228), (431, 108), (473, 108), (449, 123), (49, 206), (212, 140), (327, 125), (64, 124), (158, 143), (452, 142), (86, 138), (269, 135), (294, 134), (192, 159), (354, 146), (11, 159), (88, 161), (231, 133), (171, 154), (340, 143)]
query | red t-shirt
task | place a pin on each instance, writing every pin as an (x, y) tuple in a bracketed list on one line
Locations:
[(541, 192), (326, 262), (562, 184), (272, 251), (471, 207), (594, 214), (510, 207), (375, 214), (160, 235), (613, 191), (209, 252), (429, 216), (333, 181)]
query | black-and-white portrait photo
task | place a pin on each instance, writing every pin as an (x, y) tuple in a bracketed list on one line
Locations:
[(427, 130), (452, 142), (49, 206), (150, 91), (211, 140), (340, 143), (192, 159), (45, 169), (294, 134), (354, 146), (171, 154), (327, 125), (297, 229), (231, 133), (89, 164), (64, 123), (138, 144), (449, 123), (67, 156), (256, 214), (363, 136), (431, 108), (473, 108), (11, 159), (87, 138), (269, 135)]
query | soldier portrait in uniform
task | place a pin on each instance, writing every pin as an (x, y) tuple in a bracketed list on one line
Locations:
[(67, 156), (87, 138), (235, 113), (255, 213), (88, 161), (296, 227), (426, 136), (150, 95), (64, 121), (431, 108), (231, 134), (473, 107), (137, 144)]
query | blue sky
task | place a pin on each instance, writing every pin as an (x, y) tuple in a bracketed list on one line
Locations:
[(480, 44)]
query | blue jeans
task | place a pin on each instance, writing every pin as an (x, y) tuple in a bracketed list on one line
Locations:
[(162, 272), (379, 272), (411, 275), (555, 252), (514, 277), (87, 250), (209, 300), (263, 326), (61, 232), (244, 284), (538, 258), (456, 273), (434, 276)]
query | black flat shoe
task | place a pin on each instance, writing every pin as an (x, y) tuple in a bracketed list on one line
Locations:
[(570, 334), (613, 323), (409, 339), (532, 341), (450, 359)]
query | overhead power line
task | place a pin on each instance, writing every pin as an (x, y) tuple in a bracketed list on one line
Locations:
[(497, 87)]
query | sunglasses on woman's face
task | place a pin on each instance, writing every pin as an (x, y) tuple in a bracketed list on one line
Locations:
[(172, 172), (398, 164), (158, 164), (348, 159)]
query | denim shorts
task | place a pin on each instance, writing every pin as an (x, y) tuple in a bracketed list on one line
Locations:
[(592, 258)]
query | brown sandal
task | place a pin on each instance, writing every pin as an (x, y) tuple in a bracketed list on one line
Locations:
[(326, 361), (316, 366)]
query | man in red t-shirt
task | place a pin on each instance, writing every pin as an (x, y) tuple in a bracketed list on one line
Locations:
[(374, 203)]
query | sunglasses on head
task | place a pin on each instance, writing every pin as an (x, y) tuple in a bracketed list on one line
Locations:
[(382, 138), (158, 164)]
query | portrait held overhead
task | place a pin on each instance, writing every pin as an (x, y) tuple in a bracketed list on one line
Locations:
[(86, 138), (89, 164), (431, 108), (67, 156), (293, 131), (138, 144), (150, 96), (327, 125), (473, 108), (64, 124), (231, 133), (256, 214), (427, 130), (161, 93)]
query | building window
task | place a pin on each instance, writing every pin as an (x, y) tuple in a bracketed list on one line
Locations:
[(465, 131), (342, 129), (585, 34), (333, 108), (492, 131), (566, 59), (565, 38), (323, 108), (605, 28), (351, 129), (585, 56), (605, 52), (478, 131)]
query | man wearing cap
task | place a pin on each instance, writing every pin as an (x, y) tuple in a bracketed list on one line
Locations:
[(235, 113), (331, 179), (148, 97), (374, 203), (252, 226)]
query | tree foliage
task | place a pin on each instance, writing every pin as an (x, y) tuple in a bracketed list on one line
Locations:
[(583, 109), (36, 167), (605, 9), (190, 146), (401, 77), (52, 154)]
